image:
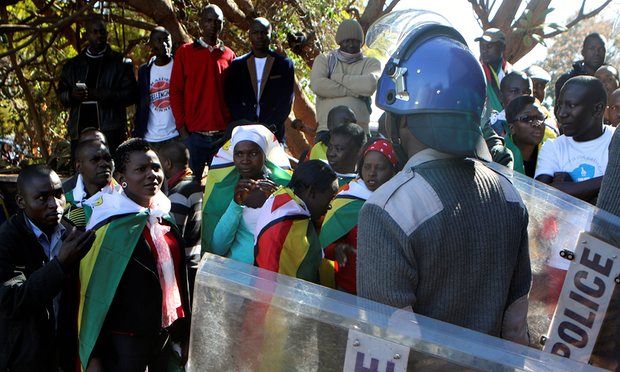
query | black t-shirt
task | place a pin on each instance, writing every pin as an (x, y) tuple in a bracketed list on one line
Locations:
[(530, 165)]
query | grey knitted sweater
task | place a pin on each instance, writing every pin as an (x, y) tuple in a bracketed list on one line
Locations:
[(609, 196), (448, 237)]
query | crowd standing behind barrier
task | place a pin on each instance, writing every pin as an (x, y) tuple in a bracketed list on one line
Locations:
[(301, 226)]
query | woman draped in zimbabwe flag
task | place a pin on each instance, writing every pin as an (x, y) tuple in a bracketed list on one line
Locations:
[(244, 172), (339, 231), (286, 231), (133, 286)]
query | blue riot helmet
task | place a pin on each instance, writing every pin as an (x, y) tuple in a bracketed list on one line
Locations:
[(435, 82)]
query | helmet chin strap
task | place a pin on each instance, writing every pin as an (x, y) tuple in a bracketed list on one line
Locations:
[(392, 121)]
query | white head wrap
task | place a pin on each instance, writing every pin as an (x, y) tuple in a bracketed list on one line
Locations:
[(258, 134)]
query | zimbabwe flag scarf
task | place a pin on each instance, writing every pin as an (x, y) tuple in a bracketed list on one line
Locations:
[(219, 190), (287, 242), (119, 224)]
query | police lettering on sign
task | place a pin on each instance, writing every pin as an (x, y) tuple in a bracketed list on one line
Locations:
[(585, 296)]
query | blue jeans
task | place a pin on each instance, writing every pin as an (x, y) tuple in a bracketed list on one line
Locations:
[(202, 148)]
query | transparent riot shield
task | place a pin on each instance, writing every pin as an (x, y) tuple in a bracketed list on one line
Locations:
[(248, 319), (576, 268)]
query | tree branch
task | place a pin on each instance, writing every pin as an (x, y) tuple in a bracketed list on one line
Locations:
[(133, 22), (481, 11), (580, 17), (390, 7), (62, 23), (505, 14)]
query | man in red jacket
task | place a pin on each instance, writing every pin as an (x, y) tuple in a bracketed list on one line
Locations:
[(197, 90)]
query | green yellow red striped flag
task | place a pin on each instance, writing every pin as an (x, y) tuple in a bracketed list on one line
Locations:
[(100, 272), (118, 223), (219, 190), (345, 207), (286, 241), (339, 220)]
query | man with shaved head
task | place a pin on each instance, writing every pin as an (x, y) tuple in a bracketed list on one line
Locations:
[(197, 90), (185, 194), (154, 120), (94, 166), (96, 86), (260, 83), (575, 162), (39, 256), (593, 52)]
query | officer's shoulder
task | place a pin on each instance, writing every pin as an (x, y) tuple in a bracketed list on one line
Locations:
[(406, 185), (408, 199), (511, 194)]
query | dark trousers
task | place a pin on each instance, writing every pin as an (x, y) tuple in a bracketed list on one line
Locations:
[(156, 146), (202, 148), (130, 353)]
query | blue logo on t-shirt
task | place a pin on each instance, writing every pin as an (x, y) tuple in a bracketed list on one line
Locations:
[(582, 173)]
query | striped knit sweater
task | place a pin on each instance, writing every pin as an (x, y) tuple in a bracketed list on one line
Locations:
[(448, 237)]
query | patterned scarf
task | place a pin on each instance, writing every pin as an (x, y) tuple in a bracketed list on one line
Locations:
[(165, 266)]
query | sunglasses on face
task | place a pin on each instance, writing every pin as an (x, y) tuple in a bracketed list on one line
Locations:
[(532, 119)]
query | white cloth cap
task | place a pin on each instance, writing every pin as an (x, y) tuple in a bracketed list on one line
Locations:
[(263, 137), (258, 134)]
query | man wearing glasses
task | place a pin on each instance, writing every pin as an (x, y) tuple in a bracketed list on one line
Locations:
[(575, 162)]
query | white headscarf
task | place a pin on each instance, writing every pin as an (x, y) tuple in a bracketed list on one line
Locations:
[(260, 135)]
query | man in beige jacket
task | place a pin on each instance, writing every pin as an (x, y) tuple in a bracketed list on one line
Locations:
[(345, 76)]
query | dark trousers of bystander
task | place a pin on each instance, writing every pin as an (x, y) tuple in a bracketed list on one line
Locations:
[(202, 148)]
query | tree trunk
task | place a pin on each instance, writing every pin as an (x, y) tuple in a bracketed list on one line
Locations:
[(299, 141), (162, 12), (33, 111)]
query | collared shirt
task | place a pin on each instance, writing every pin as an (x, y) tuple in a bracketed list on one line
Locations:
[(218, 45), (426, 155), (51, 248)]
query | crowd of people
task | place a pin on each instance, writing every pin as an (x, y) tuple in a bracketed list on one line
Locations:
[(104, 279)]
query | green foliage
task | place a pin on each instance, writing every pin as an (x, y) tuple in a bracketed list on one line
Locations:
[(51, 43), (41, 62)]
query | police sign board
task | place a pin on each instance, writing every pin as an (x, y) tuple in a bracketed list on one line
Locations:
[(366, 353), (584, 299)]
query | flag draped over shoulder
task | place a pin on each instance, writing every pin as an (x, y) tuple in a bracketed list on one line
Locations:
[(221, 181), (79, 207), (342, 216), (339, 221), (286, 241), (119, 224)]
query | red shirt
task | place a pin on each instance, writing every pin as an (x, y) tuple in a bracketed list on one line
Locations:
[(197, 87), (345, 276)]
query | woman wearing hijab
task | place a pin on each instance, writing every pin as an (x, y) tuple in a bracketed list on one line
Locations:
[(339, 231), (245, 171), (133, 286)]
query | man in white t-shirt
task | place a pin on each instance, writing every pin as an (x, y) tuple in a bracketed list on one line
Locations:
[(575, 162), (154, 120), (259, 87)]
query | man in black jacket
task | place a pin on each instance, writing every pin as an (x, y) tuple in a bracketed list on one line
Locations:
[(593, 52), (38, 258), (259, 87), (97, 85)]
